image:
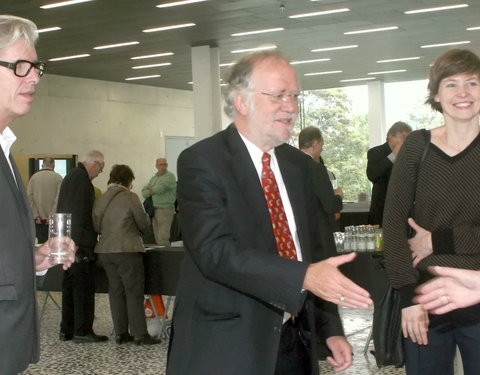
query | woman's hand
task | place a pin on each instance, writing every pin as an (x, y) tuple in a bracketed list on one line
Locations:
[(415, 324), (421, 244)]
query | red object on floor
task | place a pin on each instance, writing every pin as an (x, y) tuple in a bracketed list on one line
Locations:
[(159, 306)]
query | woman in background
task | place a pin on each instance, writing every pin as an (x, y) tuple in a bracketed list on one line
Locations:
[(119, 218), (446, 217)]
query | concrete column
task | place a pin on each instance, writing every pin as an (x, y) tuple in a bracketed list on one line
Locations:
[(376, 113), (206, 91)]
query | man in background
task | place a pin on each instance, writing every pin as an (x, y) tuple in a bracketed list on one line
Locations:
[(380, 161), (42, 192), (20, 72), (162, 187), (78, 299)]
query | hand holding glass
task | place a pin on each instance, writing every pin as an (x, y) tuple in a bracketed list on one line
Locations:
[(59, 233)]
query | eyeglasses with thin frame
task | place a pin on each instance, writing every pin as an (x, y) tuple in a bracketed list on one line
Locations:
[(283, 97), (21, 68)]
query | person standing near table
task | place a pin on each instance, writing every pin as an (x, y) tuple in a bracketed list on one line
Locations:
[(78, 298), (162, 187), (441, 184), (20, 72), (42, 192), (119, 218), (380, 160), (247, 264)]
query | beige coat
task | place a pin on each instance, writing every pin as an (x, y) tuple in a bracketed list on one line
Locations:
[(121, 225)]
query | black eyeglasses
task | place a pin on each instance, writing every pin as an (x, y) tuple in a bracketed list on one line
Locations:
[(21, 68)]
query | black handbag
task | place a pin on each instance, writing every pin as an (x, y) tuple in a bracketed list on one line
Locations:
[(148, 206)]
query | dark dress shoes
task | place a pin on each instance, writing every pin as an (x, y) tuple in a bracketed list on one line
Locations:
[(65, 336), (123, 338), (89, 338), (146, 340)]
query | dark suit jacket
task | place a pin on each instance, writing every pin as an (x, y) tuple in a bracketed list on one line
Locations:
[(19, 328), (379, 169), (234, 287), (77, 197)]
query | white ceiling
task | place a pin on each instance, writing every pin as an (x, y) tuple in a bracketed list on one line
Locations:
[(101, 22)]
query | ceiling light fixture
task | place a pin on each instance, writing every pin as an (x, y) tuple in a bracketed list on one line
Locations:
[(388, 71), (69, 57), (151, 56), (226, 64), (63, 3), (177, 3), (323, 73), (333, 48), (258, 31), (322, 13), (357, 79), (163, 28), (117, 45), (309, 61), (447, 7), (371, 30), (150, 66), (445, 44), (473, 28), (400, 59), (48, 29), (261, 48), (142, 77)]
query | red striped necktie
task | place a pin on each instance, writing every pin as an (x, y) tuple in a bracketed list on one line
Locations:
[(281, 230)]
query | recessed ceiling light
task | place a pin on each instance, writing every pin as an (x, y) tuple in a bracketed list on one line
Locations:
[(177, 3), (142, 77), (48, 29), (117, 45), (436, 9), (258, 31), (163, 28), (62, 4), (371, 30), (445, 44), (400, 59), (323, 73), (473, 28), (309, 61), (388, 71), (163, 54), (261, 48), (333, 48), (322, 13), (357, 79), (150, 66), (69, 57), (226, 64)]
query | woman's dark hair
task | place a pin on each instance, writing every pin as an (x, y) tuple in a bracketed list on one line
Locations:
[(452, 62), (121, 174)]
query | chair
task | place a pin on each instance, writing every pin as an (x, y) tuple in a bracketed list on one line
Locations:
[(51, 282)]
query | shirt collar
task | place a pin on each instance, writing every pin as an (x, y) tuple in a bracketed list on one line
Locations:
[(7, 138)]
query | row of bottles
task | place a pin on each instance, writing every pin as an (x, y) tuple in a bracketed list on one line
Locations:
[(359, 238)]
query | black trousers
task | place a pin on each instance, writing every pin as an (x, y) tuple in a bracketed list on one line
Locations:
[(294, 352), (41, 231), (78, 298)]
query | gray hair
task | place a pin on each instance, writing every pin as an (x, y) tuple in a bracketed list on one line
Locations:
[(94, 156), (13, 28), (238, 78)]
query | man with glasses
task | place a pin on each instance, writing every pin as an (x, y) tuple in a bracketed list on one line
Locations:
[(20, 72), (78, 298), (249, 219)]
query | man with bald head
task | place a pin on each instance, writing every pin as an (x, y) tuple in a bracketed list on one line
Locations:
[(162, 187), (253, 259)]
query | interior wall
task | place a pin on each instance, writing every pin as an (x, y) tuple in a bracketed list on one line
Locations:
[(127, 122)]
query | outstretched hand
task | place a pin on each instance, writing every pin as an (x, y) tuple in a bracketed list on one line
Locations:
[(325, 281)]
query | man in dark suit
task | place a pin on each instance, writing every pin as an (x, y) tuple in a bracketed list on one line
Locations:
[(380, 161), (78, 298), (20, 72), (241, 307)]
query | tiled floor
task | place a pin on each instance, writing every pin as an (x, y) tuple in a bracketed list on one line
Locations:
[(62, 358)]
